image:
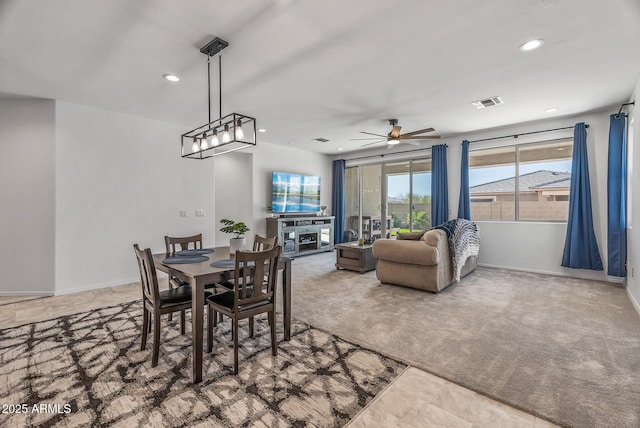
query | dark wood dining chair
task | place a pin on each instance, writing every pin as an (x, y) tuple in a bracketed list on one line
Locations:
[(172, 245), (247, 300), (156, 302), (261, 243)]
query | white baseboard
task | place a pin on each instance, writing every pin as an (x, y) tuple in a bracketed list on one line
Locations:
[(60, 292), (634, 302), (26, 293), (579, 275)]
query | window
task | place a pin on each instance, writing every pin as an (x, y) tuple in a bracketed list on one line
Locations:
[(522, 182)]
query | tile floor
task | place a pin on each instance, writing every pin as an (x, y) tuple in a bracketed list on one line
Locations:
[(414, 399)]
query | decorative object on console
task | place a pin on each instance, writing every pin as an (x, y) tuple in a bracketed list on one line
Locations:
[(239, 242), (322, 209), (227, 134)]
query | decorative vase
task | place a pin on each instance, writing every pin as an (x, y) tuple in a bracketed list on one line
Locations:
[(237, 244)]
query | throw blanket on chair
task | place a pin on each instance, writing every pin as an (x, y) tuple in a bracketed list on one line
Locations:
[(464, 242)]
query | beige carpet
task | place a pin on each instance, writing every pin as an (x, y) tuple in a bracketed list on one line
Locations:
[(564, 349), (87, 369)]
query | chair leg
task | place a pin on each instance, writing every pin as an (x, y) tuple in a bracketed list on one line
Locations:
[(211, 315), (274, 348), (156, 338), (250, 326), (235, 345), (145, 324), (182, 319), (214, 315), (221, 317), (170, 288)]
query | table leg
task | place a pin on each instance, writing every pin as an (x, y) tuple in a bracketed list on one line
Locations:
[(286, 299), (197, 316)]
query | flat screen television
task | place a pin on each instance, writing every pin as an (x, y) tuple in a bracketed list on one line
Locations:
[(295, 193)]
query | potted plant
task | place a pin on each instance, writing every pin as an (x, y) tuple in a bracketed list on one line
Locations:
[(322, 208), (270, 211), (238, 242)]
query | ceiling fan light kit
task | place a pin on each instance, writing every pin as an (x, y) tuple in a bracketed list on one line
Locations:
[(227, 134)]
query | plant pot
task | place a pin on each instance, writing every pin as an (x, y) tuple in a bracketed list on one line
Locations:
[(237, 244)]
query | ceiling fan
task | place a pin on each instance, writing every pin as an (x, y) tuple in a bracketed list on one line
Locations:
[(395, 137)]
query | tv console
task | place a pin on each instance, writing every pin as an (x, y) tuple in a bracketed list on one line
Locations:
[(302, 235)]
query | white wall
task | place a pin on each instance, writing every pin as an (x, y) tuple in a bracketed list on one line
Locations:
[(271, 157), (633, 236), (90, 183), (27, 191), (233, 193), (534, 246), (243, 179), (120, 180)]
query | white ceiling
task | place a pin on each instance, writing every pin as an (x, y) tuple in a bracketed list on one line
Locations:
[(331, 68)]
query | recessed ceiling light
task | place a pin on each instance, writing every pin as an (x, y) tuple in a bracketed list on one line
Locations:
[(551, 109), (339, 149), (262, 130), (531, 45), (171, 77)]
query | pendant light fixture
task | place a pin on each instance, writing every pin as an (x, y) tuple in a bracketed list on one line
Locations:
[(227, 134)]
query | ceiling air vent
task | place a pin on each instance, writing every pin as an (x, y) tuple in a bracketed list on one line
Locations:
[(320, 139), (489, 102)]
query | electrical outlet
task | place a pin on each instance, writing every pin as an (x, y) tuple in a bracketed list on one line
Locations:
[(183, 213), (199, 213)]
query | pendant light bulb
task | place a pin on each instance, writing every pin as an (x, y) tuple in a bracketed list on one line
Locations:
[(239, 131), (225, 135), (195, 147), (214, 138), (204, 145)]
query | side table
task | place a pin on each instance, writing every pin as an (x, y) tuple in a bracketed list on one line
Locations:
[(355, 257)]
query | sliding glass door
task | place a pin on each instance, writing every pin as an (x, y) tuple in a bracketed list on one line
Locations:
[(386, 198), (421, 194), (351, 203), (409, 195)]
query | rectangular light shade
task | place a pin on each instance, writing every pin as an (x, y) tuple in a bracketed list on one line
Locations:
[(238, 138)]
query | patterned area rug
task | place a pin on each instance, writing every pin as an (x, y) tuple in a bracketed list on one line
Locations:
[(87, 370)]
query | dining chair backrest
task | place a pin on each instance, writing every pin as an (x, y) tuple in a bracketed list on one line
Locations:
[(173, 244), (148, 276), (260, 243), (264, 265)]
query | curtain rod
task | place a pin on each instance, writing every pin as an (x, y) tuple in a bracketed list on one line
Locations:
[(474, 141), (632, 103), (524, 133), (392, 153)]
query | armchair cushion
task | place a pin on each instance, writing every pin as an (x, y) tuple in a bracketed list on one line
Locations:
[(411, 236)]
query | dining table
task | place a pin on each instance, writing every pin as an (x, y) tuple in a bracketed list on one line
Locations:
[(200, 274)]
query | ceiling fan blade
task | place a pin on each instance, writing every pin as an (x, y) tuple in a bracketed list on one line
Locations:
[(375, 142), (371, 133), (422, 131), (395, 132), (419, 137), (360, 139)]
